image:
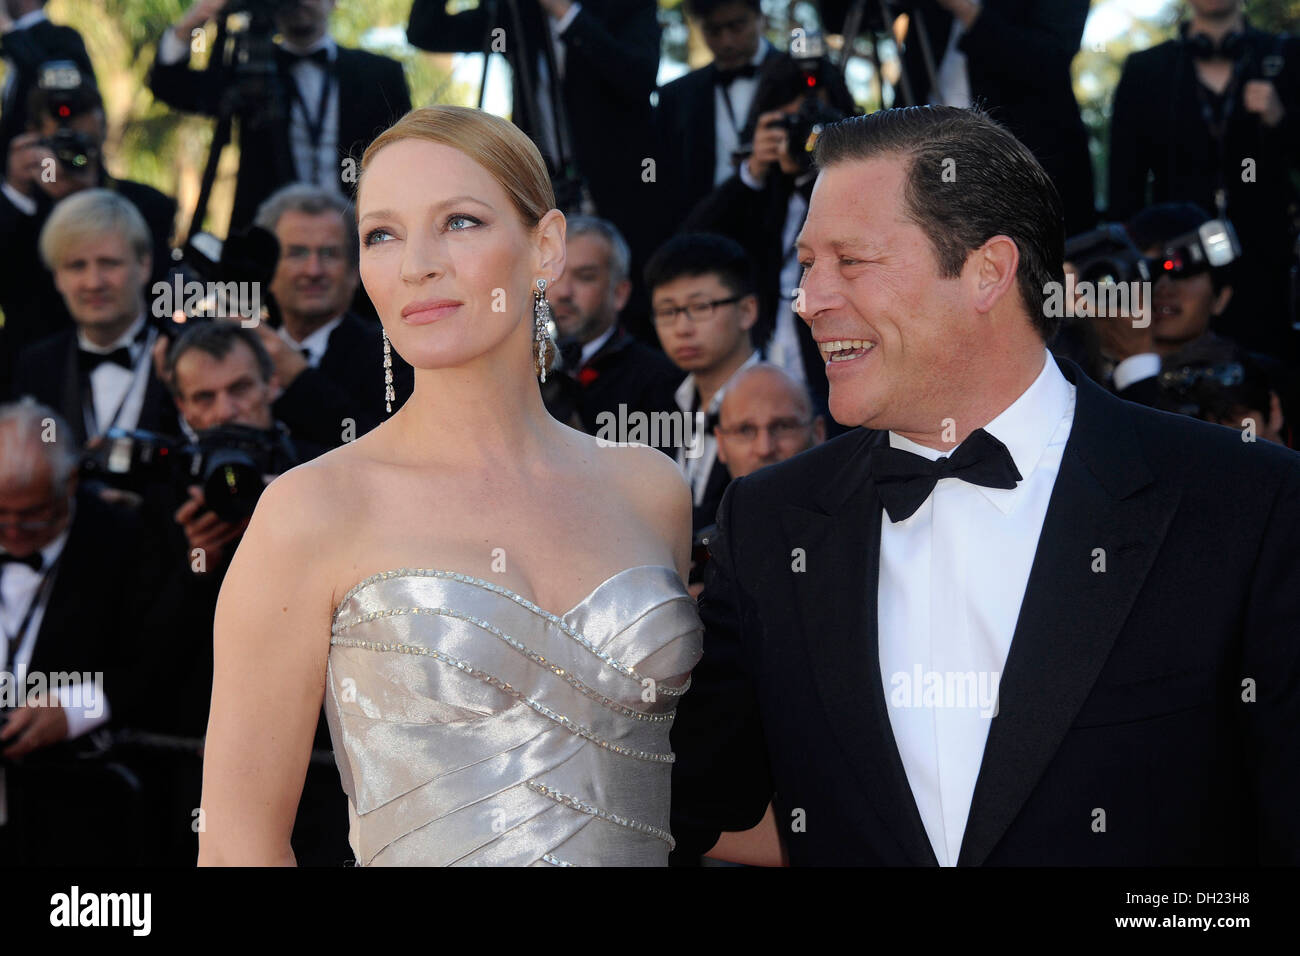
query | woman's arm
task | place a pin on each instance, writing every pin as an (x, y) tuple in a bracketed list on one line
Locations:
[(271, 634)]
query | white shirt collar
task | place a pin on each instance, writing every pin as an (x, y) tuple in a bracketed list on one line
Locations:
[(127, 338), (596, 344), (685, 393), (318, 341), (29, 19), (1026, 427), (324, 43)]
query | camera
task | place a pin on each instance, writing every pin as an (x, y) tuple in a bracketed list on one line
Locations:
[(1107, 254), (65, 94), (232, 463), (1212, 245)]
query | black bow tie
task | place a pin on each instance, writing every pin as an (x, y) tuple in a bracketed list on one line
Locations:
[(289, 57), (905, 479), (33, 560), (725, 77), (90, 361)]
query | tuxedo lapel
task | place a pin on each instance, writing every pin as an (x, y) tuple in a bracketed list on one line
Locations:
[(1071, 613), (704, 130), (835, 610)]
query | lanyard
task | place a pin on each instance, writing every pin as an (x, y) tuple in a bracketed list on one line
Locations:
[(14, 641), (1218, 128), (315, 126), (726, 102), (87, 393)]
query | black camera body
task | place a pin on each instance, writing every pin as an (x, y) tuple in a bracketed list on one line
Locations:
[(65, 89), (1107, 254), (232, 463)]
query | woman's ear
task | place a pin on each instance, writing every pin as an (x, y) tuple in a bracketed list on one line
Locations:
[(549, 235)]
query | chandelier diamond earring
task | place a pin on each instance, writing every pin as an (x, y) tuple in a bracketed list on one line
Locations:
[(543, 344)]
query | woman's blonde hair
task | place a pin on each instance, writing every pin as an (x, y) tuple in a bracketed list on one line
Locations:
[(497, 145)]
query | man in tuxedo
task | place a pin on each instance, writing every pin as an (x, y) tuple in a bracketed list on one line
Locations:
[(703, 303), (27, 40), (602, 57), (700, 118), (1213, 117), (33, 307), (1012, 57), (99, 373), (325, 102), (612, 368), (328, 361), (85, 591), (1012, 619)]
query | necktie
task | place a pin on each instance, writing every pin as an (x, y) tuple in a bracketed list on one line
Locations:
[(905, 479), (725, 77), (90, 361), (33, 560), (289, 58)]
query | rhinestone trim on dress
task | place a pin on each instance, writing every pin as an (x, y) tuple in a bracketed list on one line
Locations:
[(575, 804), (555, 860), (522, 601), (542, 709), (532, 655)]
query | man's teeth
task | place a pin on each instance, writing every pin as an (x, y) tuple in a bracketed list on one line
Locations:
[(842, 350)]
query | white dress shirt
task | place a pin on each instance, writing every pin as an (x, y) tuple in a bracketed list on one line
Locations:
[(113, 386), (310, 78), (727, 128), (316, 342), (698, 469), (952, 78), (952, 578), (19, 585)]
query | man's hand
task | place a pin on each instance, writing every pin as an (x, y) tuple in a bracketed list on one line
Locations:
[(38, 724), (770, 146), (288, 361), (204, 530), (1260, 98), (963, 10), (23, 165), (196, 16), (555, 9)]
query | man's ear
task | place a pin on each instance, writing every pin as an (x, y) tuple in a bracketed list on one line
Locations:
[(1221, 301), (1274, 413), (992, 269), (622, 292), (722, 451), (748, 311)]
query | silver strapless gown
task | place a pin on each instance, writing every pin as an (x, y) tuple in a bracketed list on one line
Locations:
[(472, 727)]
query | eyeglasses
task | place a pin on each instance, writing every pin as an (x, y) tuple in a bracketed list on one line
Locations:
[(783, 429), (695, 311)]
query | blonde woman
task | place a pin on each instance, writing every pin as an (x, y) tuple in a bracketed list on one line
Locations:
[(490, 604)]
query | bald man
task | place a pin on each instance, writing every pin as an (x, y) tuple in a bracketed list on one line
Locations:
[(765, 417)]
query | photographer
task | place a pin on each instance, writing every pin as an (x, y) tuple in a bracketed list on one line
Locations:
[(320, 104), (763, 206), (1213, 117), (66, 609), (28, 39), (328, 361), (61, 154), (99, 373)]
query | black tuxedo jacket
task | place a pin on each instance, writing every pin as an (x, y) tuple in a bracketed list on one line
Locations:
[(27, 50), (48, 371), (1122, 691), (372, 95), (686, 141), (626, 372), (1018, 55), (348, 383)]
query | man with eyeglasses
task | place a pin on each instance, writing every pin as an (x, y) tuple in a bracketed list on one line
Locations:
[(326, 358), (765, 417), (703, 303)]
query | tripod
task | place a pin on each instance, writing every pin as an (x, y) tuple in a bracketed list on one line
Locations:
[(881, 19)]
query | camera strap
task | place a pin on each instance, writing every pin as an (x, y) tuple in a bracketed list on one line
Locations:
[(315, 125)]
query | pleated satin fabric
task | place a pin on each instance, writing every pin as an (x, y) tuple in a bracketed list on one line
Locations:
[(472, 727)]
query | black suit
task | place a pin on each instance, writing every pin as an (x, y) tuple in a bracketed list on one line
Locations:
[(625, 372), (1158, 132), (32, 305), (1122, 690), (347, 383), (686, 141), (27, 50), (116, 617), (1018, 55), (49, 372), (372, 95)]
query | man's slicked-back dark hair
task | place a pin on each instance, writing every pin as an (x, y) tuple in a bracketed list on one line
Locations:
[(968, 180), (698, 254)]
